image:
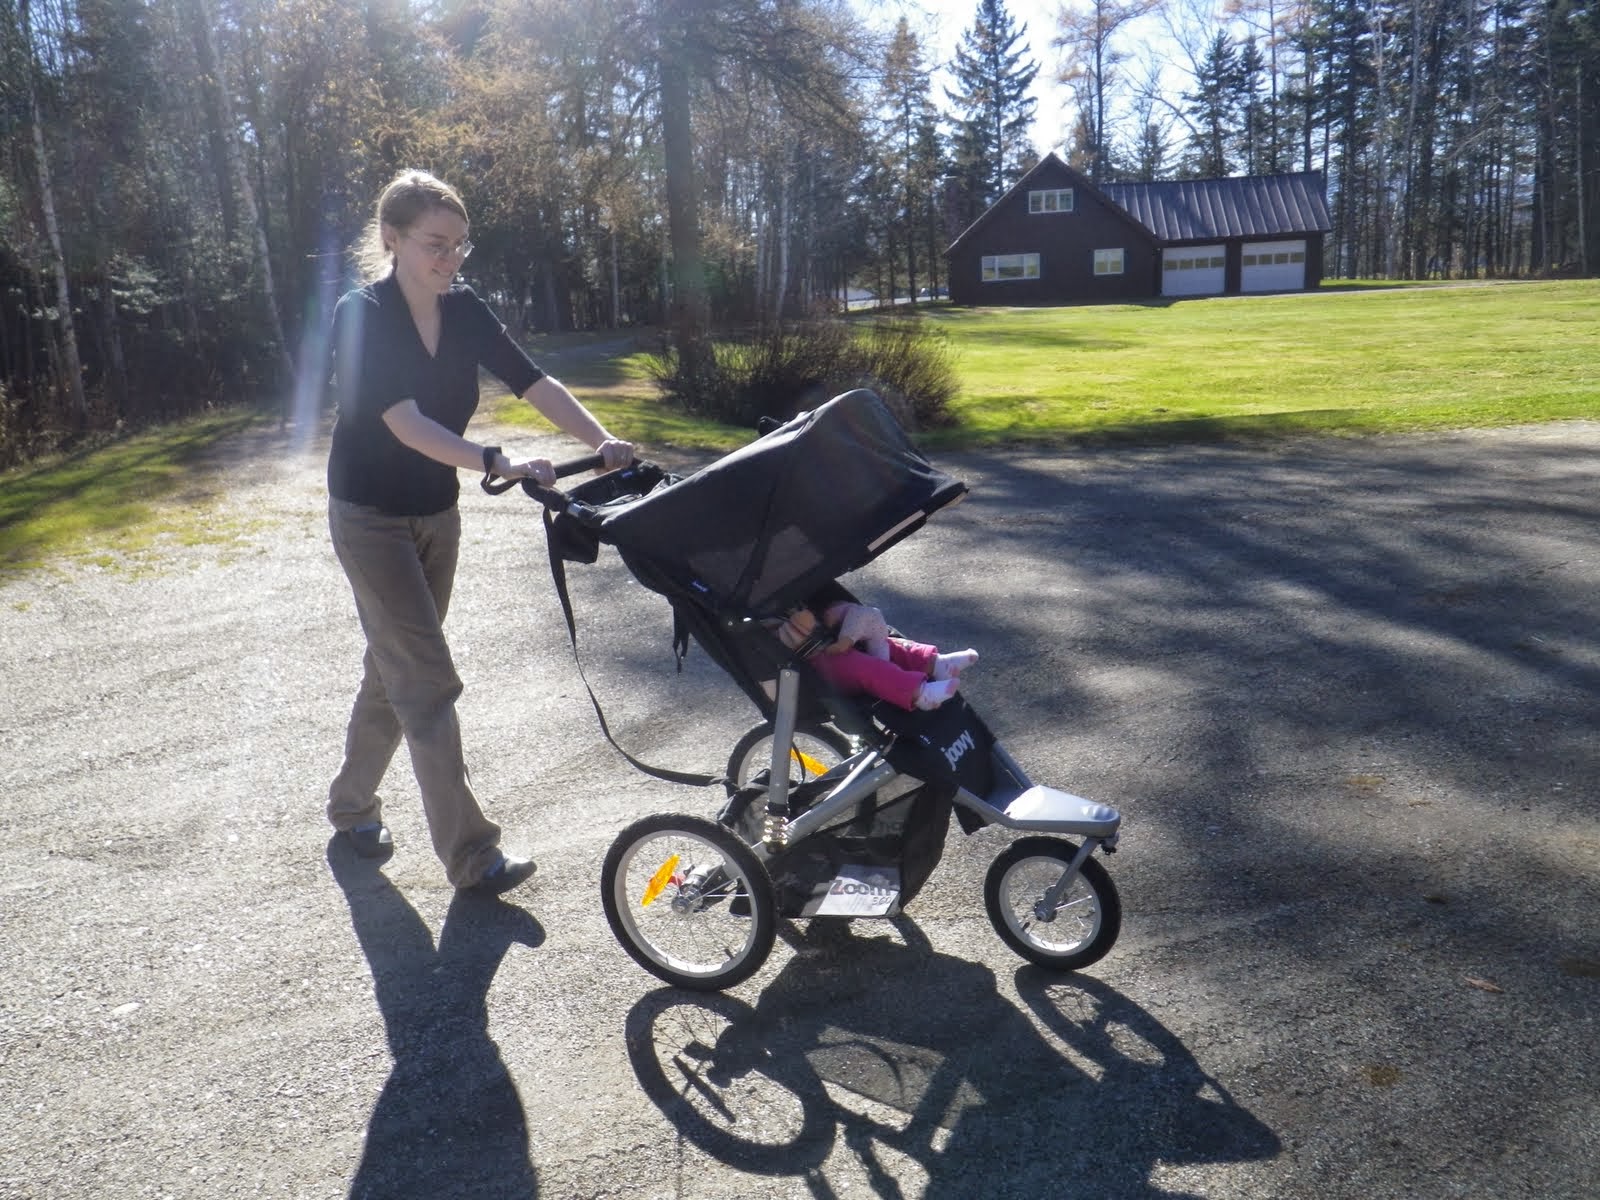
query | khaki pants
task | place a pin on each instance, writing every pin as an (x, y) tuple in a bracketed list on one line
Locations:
[(401, 570)]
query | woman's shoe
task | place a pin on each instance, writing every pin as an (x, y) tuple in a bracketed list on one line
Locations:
[(371, 841), (506, 874)]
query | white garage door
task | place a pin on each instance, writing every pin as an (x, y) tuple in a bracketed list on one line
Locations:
[(1272, 267), (1192, 271)]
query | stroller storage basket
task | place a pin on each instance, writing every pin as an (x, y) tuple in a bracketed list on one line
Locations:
[(869, 862)]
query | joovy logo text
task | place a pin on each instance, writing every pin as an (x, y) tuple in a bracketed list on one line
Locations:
[(954, 751)]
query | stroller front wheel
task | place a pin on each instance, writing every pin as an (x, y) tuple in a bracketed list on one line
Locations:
[(689, 901), (1078, 930)]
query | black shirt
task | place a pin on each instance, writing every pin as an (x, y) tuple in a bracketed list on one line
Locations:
[(379, 361)]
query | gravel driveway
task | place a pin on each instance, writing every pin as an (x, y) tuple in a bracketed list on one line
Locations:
[(1343, 691)]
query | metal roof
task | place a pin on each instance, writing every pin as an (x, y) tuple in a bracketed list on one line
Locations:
[(1192, 210), (1199, 209)]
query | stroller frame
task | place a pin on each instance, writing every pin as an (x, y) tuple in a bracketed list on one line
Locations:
[(1025, 806), (692, 900)]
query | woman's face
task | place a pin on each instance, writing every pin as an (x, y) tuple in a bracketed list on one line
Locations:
[(427, 253)]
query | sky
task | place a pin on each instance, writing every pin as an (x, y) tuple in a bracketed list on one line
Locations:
[(941, 24)]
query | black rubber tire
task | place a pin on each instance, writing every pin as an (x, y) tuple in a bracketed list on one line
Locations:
[(821, 737), (1020, 928), (731, 928)]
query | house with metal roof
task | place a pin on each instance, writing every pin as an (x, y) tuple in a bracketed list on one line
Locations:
[(1056, 238)]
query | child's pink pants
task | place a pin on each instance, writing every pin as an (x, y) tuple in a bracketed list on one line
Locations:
[(895, 679)]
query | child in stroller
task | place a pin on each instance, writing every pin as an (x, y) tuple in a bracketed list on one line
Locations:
[(852, 647), (838, 805)]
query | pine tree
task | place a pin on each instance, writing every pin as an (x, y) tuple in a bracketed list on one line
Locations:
[(994, 107), (908, 155), (1214, 105)]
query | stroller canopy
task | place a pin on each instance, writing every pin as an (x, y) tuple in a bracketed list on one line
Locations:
[(761, 529)]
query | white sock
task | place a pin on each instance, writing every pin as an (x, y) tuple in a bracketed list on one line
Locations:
[(935, 692), (948, 666)]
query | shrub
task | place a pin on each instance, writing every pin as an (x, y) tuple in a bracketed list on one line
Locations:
[(909, 364), (780, 371)]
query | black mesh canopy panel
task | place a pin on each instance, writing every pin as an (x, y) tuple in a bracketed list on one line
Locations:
[(762, 528)]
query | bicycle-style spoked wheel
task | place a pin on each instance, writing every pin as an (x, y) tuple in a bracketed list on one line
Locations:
[(1082, 925), (817, 749), (688, 901)]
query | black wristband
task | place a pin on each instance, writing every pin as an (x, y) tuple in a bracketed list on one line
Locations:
[(489, 453)]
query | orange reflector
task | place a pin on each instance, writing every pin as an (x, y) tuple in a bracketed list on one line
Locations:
[(807, 763), (658, 881)]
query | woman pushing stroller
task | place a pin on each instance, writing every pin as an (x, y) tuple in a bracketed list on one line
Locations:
[(407, 348)]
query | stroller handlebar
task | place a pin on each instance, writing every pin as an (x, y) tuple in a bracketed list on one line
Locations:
[(589, 462), (554, 498)]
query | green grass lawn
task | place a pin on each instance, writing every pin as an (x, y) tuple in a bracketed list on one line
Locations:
[(1348, 359), (118, 500), (1339, 361), (1351, 358)]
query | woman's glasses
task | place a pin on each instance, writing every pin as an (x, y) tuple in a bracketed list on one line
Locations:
[(441, 250)]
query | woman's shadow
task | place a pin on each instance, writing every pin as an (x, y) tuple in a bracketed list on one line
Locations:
[(449, 1122)]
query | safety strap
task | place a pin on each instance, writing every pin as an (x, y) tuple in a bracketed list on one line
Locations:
[(558, 572), (489, 483)]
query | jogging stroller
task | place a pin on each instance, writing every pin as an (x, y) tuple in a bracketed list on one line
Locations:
[(836, 806)]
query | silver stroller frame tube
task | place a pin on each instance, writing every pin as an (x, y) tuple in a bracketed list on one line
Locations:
[(783, 721), (863, 774), (1018, 804)]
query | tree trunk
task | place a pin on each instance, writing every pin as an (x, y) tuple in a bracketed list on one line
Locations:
[(252, 216), (688, 310), (72, 367), (616, 282), (215, 104), (1383, 245), (1577, 158), (780, 287), (116, 360), (1409, 233)]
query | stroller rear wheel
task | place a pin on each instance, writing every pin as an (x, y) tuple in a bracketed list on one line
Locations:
[(688, 901), (817, 748), (1078, 930)]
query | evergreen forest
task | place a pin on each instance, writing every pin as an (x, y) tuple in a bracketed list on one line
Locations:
[(182, 179)]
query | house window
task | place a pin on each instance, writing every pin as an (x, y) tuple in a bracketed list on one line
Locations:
[(1108, 262), (1276, 258), (1000, 268), (1203, 262), (1057, 200)]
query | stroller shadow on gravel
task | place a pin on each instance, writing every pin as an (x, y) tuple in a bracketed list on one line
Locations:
[(907, 1054), (449, 1122)]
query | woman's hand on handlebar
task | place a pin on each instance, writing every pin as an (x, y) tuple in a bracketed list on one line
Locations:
[(615, 453), (541, 470), (541, 474)]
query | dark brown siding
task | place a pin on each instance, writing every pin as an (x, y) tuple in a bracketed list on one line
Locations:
[(1137, 218), (1065, 244)]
